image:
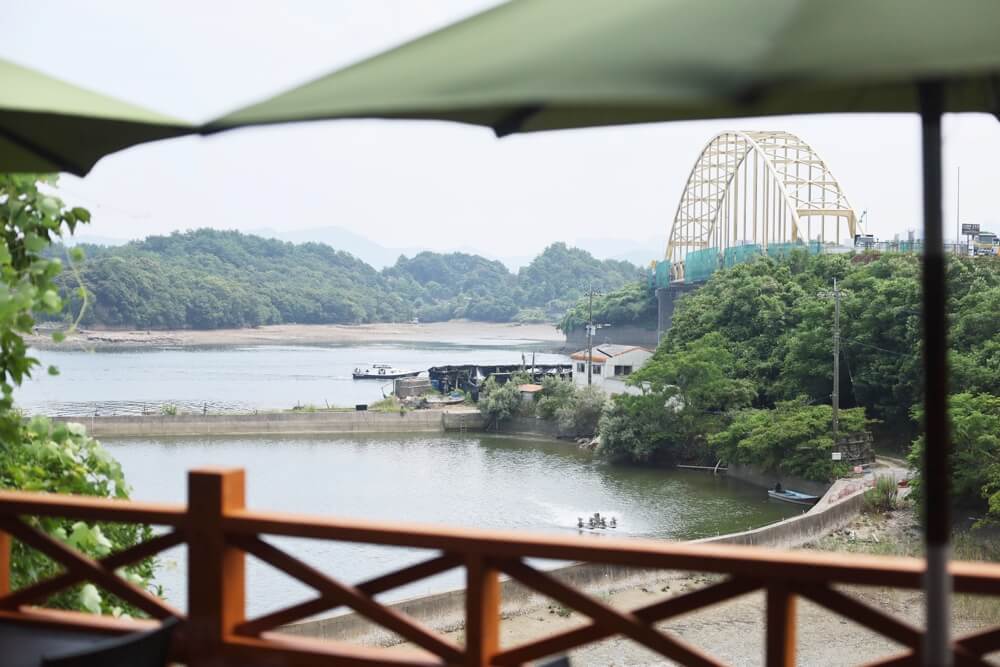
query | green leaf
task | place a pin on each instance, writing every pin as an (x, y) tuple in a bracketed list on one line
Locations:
[(90, 598), (58, 336), (52, 370)]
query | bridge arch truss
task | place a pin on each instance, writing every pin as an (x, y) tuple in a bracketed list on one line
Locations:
[(758, 189)]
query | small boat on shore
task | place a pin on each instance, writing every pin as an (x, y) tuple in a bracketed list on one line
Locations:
[(793, 497), (382, 372)]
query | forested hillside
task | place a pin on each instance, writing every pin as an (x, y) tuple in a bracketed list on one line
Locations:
[(746, 369), (211, 279)]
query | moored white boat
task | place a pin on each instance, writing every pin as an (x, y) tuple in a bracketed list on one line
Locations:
[(382, 372), (793, 497)]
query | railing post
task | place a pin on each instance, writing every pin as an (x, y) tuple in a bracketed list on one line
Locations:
[(780, 627), (216, 571), (482, 611), (5, 546)]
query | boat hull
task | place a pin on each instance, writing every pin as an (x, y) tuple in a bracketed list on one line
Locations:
[(794, 498), (384, 376)]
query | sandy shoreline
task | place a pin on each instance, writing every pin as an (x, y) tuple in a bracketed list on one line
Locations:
[(453, 332), (733, 632)]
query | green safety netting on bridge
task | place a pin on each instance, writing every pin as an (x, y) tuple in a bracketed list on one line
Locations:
[(700, 264), (740, 254), (661, 277), (779, 250)]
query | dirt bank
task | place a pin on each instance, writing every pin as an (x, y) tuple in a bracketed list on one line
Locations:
[(455, 332), (734, 632)]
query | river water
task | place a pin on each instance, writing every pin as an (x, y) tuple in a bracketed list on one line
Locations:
[(458, 480), (449, 479), (238, 379)]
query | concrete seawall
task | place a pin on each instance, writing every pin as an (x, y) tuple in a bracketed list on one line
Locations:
[(445, 611), (290, 423), (841, 503), (278, 423)]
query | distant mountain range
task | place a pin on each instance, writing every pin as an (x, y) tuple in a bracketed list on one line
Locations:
[(207, 279), (638, 252), (379, 256)]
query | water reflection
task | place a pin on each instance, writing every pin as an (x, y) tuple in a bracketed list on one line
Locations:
[(460, 480)]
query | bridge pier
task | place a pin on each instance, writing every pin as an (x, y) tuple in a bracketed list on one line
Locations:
[(666, 299)]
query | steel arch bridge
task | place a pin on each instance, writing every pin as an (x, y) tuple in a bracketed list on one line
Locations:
[(752, 193)]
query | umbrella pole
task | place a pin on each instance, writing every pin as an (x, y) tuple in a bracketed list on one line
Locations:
[(937, 581)]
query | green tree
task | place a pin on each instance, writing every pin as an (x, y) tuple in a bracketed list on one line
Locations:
[(975, 457), (60, 458), (556, 394), (38, 455), (793, 438), (558, 277), (702, 371), (650, 428), (634, 304), (499, 402), (582, 413)]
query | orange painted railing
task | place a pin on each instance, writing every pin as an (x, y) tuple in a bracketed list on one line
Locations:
[(219, 531)]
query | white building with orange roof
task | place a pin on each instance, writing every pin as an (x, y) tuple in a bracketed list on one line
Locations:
[(610, 366)]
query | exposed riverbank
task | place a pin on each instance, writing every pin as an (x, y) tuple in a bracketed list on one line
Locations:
[(463, 332), (734, 631)]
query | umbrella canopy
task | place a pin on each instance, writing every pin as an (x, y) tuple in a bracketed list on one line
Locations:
[(49, 125), (546, 64)]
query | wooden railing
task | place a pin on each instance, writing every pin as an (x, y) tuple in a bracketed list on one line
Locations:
[(219, 531)]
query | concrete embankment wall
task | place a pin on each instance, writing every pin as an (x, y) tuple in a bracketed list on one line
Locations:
[(459, 419), (445, 611), (265, 423), (841, 503)]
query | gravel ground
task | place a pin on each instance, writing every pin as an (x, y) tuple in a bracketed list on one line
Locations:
[(733, 632)]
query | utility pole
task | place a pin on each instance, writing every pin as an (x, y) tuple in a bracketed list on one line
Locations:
[(958, 213), (835, 396), (590, 332)]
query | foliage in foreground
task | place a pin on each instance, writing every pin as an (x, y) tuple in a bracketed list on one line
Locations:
[(38, 455), (61, 458), (975, 459)]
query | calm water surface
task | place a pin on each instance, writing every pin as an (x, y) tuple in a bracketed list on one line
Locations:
[(458, 480), (240, 378)]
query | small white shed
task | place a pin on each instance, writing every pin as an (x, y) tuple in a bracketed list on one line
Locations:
[(610, 365)]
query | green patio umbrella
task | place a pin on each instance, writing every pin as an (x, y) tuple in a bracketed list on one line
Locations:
[(548, 64), (49, 125)]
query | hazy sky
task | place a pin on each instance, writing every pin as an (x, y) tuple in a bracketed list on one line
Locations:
[(416, 184)]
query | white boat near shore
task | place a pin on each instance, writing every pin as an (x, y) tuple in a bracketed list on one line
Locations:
[(382, 372)]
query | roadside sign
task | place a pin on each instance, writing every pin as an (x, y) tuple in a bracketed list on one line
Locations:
[(970, 228)]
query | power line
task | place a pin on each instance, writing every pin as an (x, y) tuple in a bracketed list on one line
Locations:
[(880, 349)]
